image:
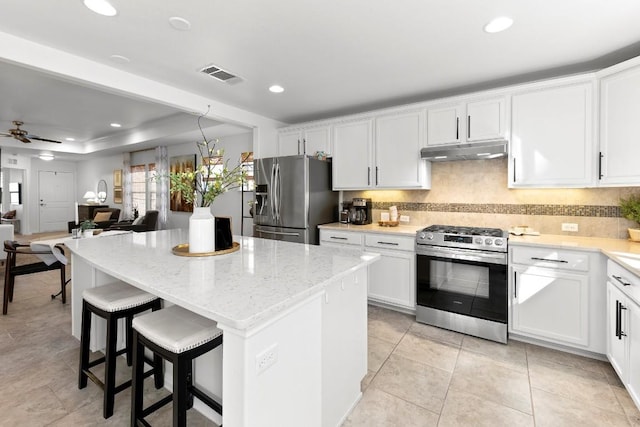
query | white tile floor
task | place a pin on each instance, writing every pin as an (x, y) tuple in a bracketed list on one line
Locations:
[(418, 376)]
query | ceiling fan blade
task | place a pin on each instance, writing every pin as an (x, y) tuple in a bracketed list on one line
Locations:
[(8, 135), (22, 138), (43, 139)]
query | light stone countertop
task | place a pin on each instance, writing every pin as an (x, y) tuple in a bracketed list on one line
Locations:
[(404, 230), (241, 289), (624, 252)]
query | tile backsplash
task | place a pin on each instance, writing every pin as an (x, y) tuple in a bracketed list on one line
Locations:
[(475, 193)]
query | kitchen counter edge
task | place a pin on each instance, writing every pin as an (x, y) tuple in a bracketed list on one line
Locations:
[(402, 230)]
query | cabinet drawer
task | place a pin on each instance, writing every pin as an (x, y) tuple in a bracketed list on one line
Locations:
[(550, 258), (343, 237), (385, 241)]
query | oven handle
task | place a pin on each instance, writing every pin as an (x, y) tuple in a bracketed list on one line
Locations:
[(463, 254)]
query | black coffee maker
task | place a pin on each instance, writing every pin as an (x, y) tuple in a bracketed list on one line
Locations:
[(361, 211)]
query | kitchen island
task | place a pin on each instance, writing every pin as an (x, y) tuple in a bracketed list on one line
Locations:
[(293, 318)]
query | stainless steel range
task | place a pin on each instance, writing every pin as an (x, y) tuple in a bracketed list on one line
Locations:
[(462, 280)]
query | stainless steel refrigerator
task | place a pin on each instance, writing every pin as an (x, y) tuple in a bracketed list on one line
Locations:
[(293, 196)]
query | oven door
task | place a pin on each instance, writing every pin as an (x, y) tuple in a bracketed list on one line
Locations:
[(468, 287)]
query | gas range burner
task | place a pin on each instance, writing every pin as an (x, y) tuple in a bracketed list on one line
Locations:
[(468, 231), (479, 238)]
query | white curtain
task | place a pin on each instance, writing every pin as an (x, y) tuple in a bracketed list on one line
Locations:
[(127, 197), (162, 186)]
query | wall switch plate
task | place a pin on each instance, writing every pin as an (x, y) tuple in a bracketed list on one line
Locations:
[(569, 226), (404, 218), (267, 358)]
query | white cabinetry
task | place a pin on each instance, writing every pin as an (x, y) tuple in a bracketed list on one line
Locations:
[(466, 122), (398, 140), (552, 137), (352, 154), (386, 155), (392, 279), (556, 296), (344, 345), (308, 141), (619, 113), (623, 327)]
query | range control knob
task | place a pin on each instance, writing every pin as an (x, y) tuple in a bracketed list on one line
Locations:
[(422, 236), (498, 242), (488, 241), (478, 240), (429, 236)]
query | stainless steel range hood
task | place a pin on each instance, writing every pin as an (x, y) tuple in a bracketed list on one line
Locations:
[(473, 151)]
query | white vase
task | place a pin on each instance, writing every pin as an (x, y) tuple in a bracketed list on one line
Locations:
[(202, 229)]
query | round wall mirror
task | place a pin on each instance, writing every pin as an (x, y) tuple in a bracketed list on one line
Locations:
[(102, 191)]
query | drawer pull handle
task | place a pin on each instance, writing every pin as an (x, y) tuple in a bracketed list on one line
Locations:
[(550, 260), (388, 243), (339, 238), (619, 279)]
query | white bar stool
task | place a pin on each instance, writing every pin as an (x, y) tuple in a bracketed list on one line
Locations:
[(112, 302), (178, 336)]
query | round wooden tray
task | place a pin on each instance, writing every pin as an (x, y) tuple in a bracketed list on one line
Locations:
[(183, 250)]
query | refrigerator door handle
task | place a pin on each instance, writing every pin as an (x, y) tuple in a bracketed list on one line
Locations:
[(271, 200), (278, 178), (277, 233)]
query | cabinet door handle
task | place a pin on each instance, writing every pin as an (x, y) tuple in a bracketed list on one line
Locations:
[(514, 169), (304, 146), (339, 238), (468, 127), (457, 127), (600, 165), (561, 261), (618, 320), (298, 147), (622, 334), (619, 279), (376, 175), (388, 243), (369, 176), (515, 285)]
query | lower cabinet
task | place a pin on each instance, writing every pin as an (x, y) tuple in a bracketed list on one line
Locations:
[(550, 304), (344, 345), (623, 328), (556, 296), (392, 279)]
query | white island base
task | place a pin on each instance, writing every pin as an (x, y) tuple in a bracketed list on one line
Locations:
[(297, 363)]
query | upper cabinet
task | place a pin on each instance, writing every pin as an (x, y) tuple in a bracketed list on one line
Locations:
[(552, 136), (308, 141), (352, 154), (380, 153), (619, 113), (472, 121)]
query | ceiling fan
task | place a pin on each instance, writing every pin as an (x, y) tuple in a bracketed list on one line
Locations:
[(23, 135)]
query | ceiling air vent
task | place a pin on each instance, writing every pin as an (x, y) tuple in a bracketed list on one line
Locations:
[(220, 74)]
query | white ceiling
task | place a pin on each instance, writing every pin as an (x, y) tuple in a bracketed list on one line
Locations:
[(332, 56)]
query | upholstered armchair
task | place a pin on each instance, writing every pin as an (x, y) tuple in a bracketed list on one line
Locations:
[(148, 222)]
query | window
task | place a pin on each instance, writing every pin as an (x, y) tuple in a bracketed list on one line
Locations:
[(246, 160), (143, 187)]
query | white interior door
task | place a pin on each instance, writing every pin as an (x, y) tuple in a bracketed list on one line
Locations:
[(55, 199)]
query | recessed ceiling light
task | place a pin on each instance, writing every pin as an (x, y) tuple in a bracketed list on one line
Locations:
[(498, 24), (276, 89), (47, 157), (116, 125), (69, 139), (101, 7), (120, 59), (179, 24)]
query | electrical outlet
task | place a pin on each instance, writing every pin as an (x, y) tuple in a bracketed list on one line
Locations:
[(569, 226), (404, 218), (267, 358)]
